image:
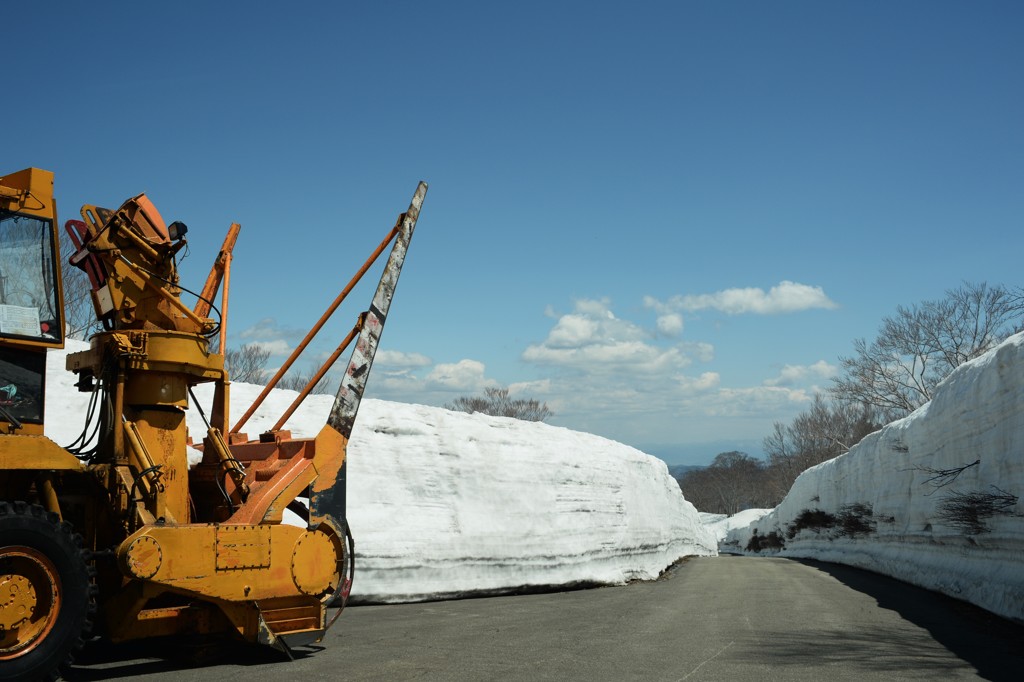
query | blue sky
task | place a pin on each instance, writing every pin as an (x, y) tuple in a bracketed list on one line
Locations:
[(665, 219)]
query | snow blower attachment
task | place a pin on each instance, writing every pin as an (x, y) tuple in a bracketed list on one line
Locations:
[(152, 546)]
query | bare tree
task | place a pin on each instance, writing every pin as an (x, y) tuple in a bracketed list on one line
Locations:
[(940, 478), (247, 364), (298, 381), (734, 481), (825, 430), (919, 346), (79, 314), (971, 511), (498, 403)]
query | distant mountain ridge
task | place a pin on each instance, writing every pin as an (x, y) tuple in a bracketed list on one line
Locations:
[(677, 470)]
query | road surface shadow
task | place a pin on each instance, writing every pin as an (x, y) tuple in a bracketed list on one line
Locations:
[(101, 660), (993, 645)]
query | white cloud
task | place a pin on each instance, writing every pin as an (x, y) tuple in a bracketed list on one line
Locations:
[(595, 307), (699, 350), (531, 388), (269, 335), (705, 382), (601, 368), (615, 377), (622, 379), (670, 324), (792, 375), (275, 347), (785, 297), (573, 331), (399, 385), (754, 400), (609, 356), (464, 375), (658, 306), (591, 338), (264, 329), (592, 323), (414, 378), (396, 359)]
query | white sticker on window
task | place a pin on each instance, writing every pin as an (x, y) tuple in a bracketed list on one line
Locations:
[(16, 319)]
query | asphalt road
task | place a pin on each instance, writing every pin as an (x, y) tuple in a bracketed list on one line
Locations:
[(724, 618)]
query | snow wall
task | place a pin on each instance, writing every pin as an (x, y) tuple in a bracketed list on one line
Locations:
[(888, 517), (445, 504)]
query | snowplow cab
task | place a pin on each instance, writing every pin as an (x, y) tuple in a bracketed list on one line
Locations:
[(31, 311)]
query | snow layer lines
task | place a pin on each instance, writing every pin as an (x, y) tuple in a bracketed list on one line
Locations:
[(444, 504), (932, 499)]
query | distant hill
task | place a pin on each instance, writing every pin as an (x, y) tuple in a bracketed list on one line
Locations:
[(677, 470)]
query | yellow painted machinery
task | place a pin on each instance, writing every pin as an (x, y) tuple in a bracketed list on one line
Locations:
[(116, 534)]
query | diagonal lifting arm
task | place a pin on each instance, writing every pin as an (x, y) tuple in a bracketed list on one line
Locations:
[(353, 383), (330, 499)]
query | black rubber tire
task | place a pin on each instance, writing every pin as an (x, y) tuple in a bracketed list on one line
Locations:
[(44, 655)]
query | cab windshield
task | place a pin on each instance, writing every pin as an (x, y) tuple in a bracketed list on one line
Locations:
[(28, 283)]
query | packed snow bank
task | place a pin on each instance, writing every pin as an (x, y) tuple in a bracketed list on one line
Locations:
[(445, 504), (721, 524), (885, 510)]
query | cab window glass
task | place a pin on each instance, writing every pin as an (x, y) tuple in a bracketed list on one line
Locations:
[(21, 384), (28, 289)]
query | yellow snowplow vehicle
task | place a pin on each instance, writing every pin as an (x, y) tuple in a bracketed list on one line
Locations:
[(115, 534)]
